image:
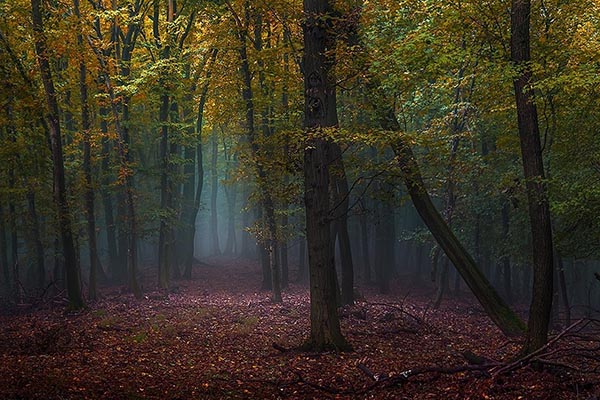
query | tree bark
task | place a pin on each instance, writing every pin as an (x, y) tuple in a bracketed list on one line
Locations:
[(341, 194), (38, 248), (86, 126), (60, 191), (533, 167), (107, 201), (214, 187), (319, 113), (4, 251), (194, 178)]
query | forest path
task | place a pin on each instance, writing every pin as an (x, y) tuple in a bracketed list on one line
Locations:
[(212, 338)]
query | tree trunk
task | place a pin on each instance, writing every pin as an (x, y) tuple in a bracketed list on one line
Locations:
[(60, 191), (498, 311), (214, 187), (230, 196), (364, 236), (165, 235), (38, 248), (4, 250), (563, 290), (341, 194), (191, 200), (86, 126), (246, 239), (506, 269), (442, 284), (302, 267), (539, 211), (319, 113), (107, 201)]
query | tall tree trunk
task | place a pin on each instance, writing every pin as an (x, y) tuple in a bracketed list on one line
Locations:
[(166, 262), (214, 187), (230, 196), (384, 243), (533, 167), (506, 269), (4, 250), (60, 191), (302, 266), (38, 248), (319, 113), (341, 194), (285, 270), (563, 290), (107, 201), (246, 239), (442, 284), (164, 237), (364, 239), (86, 126), (194, 178)]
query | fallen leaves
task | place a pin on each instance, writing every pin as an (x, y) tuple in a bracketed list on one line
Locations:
[(215, 338)]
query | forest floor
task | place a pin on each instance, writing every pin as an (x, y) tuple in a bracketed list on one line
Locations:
[(212, 338)]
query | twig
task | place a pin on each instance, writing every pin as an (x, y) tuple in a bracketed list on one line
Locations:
[(527, 358)]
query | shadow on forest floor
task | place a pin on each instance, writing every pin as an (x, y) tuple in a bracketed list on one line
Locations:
[(212, 338)]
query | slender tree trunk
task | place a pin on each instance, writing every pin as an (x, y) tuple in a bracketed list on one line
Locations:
[(302, 267), (384, 245), (38, 248), (230, 196), (442, 284), (341, 194), (4, 250), (506, 269), (319, 113), (107, 201), (64, 217), (285, 270), (86, 126), (246, 240), (214, 227), (563, 290), (533, 167), (165, 237), (198, 180), (364, 236)]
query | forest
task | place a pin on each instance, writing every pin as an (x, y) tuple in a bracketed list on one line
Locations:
[(326, 199)]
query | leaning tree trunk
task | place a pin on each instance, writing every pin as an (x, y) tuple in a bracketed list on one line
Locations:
[(533, 167), (496, 308), (319, 113), (60, 191)]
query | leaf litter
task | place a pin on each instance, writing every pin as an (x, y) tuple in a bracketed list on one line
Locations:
[(219, 337)]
